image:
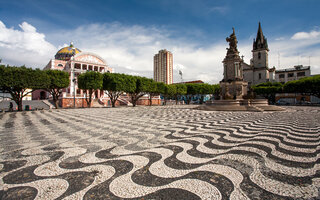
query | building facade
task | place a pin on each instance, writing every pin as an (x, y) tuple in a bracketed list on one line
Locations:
[(258, 70), (163, 67), (76, 62), (291, 74)]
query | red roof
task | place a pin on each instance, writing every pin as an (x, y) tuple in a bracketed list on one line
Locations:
[(197, 81)]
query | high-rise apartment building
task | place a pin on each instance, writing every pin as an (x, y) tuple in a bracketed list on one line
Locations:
[(163, 67)]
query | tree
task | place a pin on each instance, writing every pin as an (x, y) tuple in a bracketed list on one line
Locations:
[(90, 82), (115, 84), (192, 90), (154, 89), (138, 89), (306, 86), (314, 85), (216, 91), (181, 89), (169, 92), (20, 81), (268, 90), (205, 89), (151, 89), (58, 80)]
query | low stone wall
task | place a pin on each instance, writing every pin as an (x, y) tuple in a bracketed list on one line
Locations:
[(69, 103), (81, 102), (146, 102)]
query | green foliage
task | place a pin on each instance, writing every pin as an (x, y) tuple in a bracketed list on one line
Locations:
[(20, 81), (90, 81), (170, 91), (115, 84), (57, 81), (216, 91), (307, 85), (138, 86), (206, 88), (193, 88), (154, 88), (268, 90), (161, 87), (181, 89)]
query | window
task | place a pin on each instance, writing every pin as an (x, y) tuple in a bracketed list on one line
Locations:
[(60, 65), (290, 75), (259, 55), (301, 74), (281, 75), (259, 75)]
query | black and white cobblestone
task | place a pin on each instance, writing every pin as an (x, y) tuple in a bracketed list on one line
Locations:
[(171, 152)]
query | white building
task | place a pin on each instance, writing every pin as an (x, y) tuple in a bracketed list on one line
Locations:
[(291, 74), (258, 71)]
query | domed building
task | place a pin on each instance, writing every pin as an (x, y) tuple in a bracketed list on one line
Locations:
[(66, 53), (75, 62)]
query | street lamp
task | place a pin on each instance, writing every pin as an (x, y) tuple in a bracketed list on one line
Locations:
[(74, 80)]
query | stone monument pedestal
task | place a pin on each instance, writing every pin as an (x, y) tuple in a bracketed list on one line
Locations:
[(233, 89), (249, 105)]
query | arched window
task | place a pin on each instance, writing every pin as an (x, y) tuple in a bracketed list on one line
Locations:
[(60, 65), (259, 55)]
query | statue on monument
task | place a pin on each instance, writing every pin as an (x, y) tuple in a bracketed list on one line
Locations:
[(232, 39)]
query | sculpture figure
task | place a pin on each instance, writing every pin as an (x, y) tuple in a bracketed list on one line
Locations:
[(232, 39)]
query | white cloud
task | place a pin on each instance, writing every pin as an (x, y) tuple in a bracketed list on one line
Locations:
[(306, 35), (130, 49), (25, 46), (220, 9)]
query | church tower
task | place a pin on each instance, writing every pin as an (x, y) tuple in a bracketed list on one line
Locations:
[(260, 50)]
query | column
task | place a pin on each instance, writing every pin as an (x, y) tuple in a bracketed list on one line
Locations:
[(81, 67)]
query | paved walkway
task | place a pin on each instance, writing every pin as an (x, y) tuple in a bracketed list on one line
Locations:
[(33, 104), (168, 152)]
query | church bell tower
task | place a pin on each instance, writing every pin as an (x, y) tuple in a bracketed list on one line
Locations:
[(260, 50)]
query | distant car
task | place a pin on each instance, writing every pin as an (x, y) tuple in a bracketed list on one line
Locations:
[(305, 102), (282, 102)]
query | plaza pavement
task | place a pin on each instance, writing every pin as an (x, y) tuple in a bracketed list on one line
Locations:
[(164, 152)]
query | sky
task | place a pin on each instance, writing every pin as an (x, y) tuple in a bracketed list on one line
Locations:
[(128, 33)]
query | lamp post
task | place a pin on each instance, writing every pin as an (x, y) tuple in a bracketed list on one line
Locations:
[(74, 80), (74, 90)]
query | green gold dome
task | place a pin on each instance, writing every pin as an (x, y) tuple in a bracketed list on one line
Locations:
[(67, 52)]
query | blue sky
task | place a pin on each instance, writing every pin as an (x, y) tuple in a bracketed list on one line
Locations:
[(127, 33)]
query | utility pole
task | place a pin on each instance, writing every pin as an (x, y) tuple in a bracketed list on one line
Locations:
[(180, 72)]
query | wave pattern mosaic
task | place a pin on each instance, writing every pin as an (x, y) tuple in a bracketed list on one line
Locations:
[(171, 152)]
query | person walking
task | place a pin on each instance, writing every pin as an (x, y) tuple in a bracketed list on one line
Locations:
[(11, 107)]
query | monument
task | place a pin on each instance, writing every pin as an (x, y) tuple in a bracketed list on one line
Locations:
[(232, 84), (233, 95)]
